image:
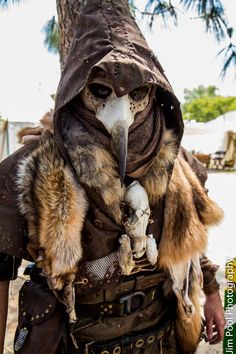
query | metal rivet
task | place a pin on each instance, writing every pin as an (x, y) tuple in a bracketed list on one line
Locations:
[(42, 315), (24, 313), (105, 309), (150, 339), (47, 310), (50, 305), (37, 316), (110, 306), (32, 318), (122, 88), (117, 350), (139, 343)]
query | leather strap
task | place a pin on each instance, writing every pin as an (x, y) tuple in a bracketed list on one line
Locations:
[(130, 343), (139, 283), (125, 305)]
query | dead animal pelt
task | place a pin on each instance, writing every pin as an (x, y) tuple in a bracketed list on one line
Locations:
[(55, 207)]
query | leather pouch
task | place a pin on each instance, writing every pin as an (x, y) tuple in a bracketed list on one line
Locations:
[(41, 322)]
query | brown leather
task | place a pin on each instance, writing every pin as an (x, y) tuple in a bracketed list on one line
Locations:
[(41, 323), (210, 284), (121, 51), (13, 234), (157, 345), (131, 343), (125, 304), (196, 166), (111, 294)]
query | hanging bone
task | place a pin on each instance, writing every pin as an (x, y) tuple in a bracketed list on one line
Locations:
[(136, 226), (126, 261), (180, 276)]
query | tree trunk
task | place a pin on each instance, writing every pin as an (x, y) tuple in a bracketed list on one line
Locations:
[(68, 11)]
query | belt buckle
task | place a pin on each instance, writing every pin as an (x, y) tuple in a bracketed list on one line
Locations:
[(127, 301)]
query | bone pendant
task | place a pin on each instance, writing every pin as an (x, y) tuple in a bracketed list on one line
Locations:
[(180, 277), (136, 227)]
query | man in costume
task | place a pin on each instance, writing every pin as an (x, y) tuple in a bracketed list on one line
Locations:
[(109, 208)]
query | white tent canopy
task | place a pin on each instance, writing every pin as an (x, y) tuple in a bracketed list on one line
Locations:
[(209, 137)]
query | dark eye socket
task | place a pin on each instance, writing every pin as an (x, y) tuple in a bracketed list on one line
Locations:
[(100, 91), (139, 93)]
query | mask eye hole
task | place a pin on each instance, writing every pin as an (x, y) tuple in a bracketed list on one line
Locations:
[(100, 91), (139, 93)]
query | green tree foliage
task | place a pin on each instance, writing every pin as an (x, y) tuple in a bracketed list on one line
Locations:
[(200, 91), (51, 31), (203, 104), (6, 3), (212, 15)]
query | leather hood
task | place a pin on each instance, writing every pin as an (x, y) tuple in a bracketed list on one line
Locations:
[(108, 38)]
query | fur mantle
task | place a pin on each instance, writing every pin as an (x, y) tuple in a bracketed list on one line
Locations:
[(54, 203)]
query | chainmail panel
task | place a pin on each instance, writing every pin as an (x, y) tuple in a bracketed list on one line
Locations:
[(100, 267)]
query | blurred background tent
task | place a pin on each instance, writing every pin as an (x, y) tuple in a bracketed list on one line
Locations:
[(216, 136), (8, 136)]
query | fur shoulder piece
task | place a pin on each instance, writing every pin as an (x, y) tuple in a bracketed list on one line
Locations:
[(55, 207), (188, 213)]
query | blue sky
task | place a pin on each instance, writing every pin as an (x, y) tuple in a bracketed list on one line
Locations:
[(29, 74)]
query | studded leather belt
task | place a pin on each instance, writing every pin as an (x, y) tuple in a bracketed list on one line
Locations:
[(139, 283), (125, 305), (127, 344)]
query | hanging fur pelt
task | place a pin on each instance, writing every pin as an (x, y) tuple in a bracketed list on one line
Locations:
[(55, 208), (188, 213)]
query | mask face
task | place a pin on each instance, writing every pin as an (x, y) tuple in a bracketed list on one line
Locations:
[(99, 96)]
